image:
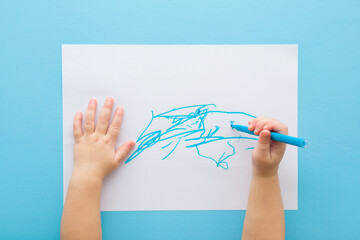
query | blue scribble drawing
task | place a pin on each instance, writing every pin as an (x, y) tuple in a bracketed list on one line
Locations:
[(191, 126)]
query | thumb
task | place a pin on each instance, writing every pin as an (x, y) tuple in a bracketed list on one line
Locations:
[(123, 151), (264, 140)]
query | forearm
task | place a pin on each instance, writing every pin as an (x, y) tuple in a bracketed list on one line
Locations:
[(81, 214), (264, 217)]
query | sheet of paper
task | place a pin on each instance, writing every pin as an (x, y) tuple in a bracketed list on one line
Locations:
[(179, 101)]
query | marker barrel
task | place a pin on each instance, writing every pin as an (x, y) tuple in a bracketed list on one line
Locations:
[(299, 142)]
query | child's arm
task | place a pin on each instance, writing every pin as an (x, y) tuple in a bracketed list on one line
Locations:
[(94, 158), (264, 217)]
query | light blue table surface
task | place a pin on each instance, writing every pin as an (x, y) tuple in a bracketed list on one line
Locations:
[(31, 34)]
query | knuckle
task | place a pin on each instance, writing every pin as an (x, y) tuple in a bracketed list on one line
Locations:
[(127, 150), (124, 153), (103, 120), (106, 140), (76, 134), (94, 138), (77, 138), (121, 156), (116, 125), (88, 122), (261, 124), (265, 120)]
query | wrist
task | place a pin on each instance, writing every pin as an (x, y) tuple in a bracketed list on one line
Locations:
[(267, 182), (265, 169), (265, 178), (265, 173), (87, 170), (86, 177)]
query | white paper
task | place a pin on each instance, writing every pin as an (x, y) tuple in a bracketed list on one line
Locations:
[(260, 80)]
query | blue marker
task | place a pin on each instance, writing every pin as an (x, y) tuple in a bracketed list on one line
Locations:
[(299, 142)]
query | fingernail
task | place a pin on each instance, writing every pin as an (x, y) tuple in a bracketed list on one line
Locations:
[(265, 133), (109, 99), (77, 114), (119, 111), (131, 144), (92, 101)]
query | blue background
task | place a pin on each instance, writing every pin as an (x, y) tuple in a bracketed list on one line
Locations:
[(31, 34)]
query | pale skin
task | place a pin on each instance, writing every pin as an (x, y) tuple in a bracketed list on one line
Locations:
[(264, 217), (95, 157)]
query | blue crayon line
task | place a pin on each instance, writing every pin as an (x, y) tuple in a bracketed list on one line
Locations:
[(167, 145), (173, 149), (249, 148), (187, 124)]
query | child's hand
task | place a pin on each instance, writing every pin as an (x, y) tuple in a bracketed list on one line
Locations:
[(267, 154), (94, 148)]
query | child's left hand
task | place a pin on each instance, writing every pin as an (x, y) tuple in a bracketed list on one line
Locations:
[(94, 148)]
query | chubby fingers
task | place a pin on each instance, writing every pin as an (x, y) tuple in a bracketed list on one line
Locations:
[(89, 124), (104, 118), (123, 151), (115, 125), (257, 124), (77, 126), (276, 126), (264, 123)]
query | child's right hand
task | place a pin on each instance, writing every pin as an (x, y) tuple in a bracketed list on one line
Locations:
[(267, 154)]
